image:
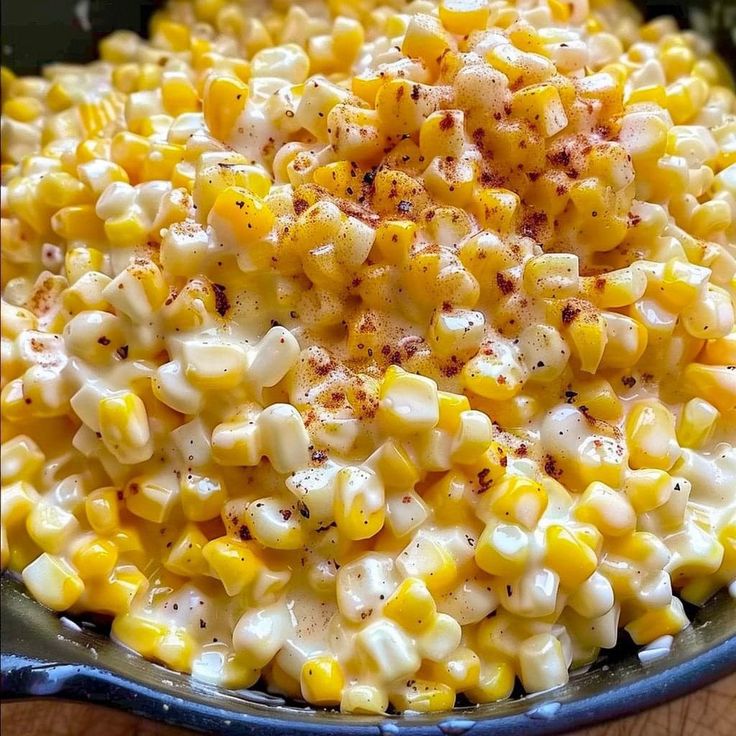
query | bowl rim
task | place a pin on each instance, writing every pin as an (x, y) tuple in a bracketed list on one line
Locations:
[(25, 674)]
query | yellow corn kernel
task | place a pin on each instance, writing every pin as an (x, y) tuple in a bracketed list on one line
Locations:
[(175, 35), (50, 527), (650, 431), (224, 100), (114, 595), (53, 582), (322, 680), (451, 407), (95, 558), (651, 625), (102, 510), (408, 403), (129, 151), (495, 208), (542, 107), (232, 562), (427, 559), (498, 376), (423, 696), (124, 427), (461, 670), (496, 682), (515, 499), (20, 459), (411, 605), (721, 351), (240, 211), (78, 222), (23, 109), (201, 497), (463, 16), (502, 549), (138, 633), (394, 239), (426, 39), (696, 423), (395, 466), (149, 499), (589, 336), (608, 510), (237, 443), (18, 500), (359, 503), (714, 383), (572, 560), (473, 437), (175, 649), (363, 699), (185, 556), (647, 489), (59, 189), (599, 397)]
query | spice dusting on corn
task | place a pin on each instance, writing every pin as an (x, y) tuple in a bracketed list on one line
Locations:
[(382, 351)]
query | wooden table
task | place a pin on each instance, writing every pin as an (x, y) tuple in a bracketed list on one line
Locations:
[(709, 712)]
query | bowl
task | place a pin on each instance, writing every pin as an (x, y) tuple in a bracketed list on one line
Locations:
[(47, 656)]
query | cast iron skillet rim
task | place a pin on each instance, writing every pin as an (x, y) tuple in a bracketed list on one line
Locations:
[(31, 675), (86, 684)]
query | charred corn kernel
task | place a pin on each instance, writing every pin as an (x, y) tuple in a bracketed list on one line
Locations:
[(650, 430), (572, 560), (496, 682), (514, 499), (322, 680), (53, 582), (608, 510), (124, 427), (224, 99), (95, 558), (102, 510), (502, 549), (411, 605)]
